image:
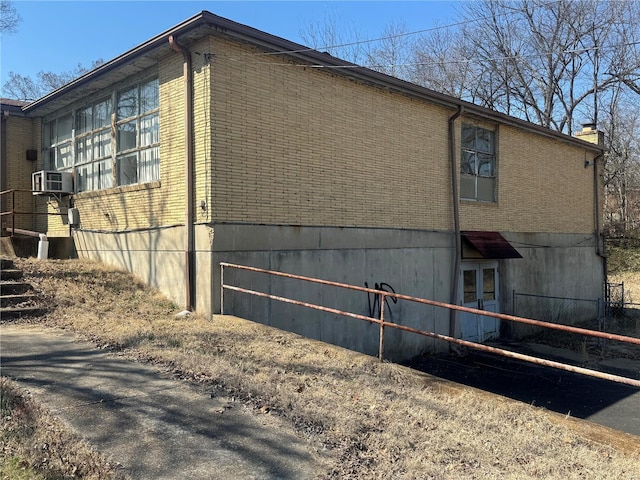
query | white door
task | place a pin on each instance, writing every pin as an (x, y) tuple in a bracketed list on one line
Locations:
[(479, 289)]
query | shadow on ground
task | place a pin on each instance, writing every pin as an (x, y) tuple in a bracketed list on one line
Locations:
[(156, 427), (604, 402)]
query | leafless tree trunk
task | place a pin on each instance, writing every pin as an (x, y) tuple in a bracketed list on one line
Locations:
[(621, 124)]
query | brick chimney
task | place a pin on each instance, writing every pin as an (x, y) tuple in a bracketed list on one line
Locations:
[(591, 134)]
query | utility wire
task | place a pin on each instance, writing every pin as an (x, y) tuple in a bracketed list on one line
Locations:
[(453, 62), (398, 35)]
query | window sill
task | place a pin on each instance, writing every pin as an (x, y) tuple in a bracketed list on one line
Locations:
[(470, 201), (117, 190)]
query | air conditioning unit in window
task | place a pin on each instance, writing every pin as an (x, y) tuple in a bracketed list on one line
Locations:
[(50, 181)]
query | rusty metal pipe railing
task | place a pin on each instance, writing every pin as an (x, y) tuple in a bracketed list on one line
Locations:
[(13, 213), (4, 192), (500, 316), (301, 303), (476, 346), (2, 214)]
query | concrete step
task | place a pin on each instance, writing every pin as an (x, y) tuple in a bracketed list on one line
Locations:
[(6, 263), (14, 288), (7, 313), (16, 301), (10, 274), (8, 300)]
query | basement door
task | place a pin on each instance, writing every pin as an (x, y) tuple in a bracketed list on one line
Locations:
[(479, 288)]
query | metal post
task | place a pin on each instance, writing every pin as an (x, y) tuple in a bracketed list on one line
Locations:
[(13, 213), (381, 347), (221, 289)]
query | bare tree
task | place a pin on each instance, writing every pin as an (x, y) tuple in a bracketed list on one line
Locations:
[(388, 53), (621, 124), (546, 62), (327, 35), (9, 17), (21, 87), (391, 53), (442, 62)]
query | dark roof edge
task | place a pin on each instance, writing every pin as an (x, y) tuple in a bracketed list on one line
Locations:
[(292, 49), (9, 106)]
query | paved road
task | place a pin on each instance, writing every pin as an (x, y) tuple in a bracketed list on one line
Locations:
[(154, 426)]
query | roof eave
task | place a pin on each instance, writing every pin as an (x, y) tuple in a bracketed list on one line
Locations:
[(140, 50)]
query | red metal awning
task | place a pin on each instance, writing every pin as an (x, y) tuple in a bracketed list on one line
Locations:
[(490, 245)]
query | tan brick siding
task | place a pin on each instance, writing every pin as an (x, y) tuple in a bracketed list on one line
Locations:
[(294, 145), (543, 186), (202, 124), (20, 136)]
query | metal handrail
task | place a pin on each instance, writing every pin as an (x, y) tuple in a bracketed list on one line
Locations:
[(383, 323), (14, 212)]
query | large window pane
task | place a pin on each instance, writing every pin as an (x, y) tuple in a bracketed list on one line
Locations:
[(149, 96), (64, 129), (128, 169), (468, 163), (128, 104), (84, 150), (103, 173), (102, 114), (102, 144), (84, 120), (468, 186), (127, 136), (63, 156), (149, 165), (48, 134), (486, 164), (149, 130), (468, 137), (49, 159), (84, 178), (484, 140), (486, 189)]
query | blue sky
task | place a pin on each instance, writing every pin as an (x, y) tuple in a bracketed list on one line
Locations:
[(56, 36)]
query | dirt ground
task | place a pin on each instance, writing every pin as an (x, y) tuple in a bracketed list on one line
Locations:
[(372, 419)]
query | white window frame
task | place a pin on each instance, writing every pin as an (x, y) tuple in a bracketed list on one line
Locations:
[(98, 169), (478, 165)]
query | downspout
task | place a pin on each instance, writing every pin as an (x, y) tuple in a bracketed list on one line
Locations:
[(596, 200), (600, 249), (456, 220), (189, 249)]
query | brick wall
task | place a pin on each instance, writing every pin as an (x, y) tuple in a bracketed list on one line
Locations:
[(296, 145), (543, 186), (22, 134)]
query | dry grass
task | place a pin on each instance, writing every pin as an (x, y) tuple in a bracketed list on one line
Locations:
[(624, 266), (35, 445), (631, 282), (371, 419)]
